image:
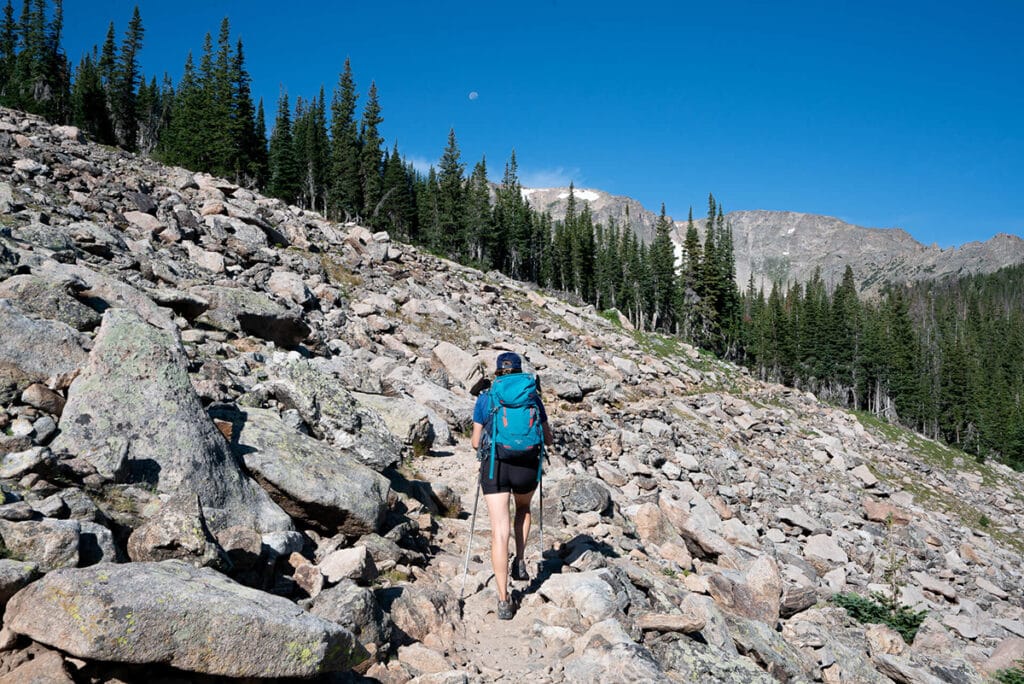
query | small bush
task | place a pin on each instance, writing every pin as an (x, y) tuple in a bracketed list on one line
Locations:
[(885, 610), (1014, 675)]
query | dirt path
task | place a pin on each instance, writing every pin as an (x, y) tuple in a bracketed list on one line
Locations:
[(497, 650)]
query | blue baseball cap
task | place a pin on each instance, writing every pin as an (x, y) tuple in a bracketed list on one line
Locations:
[(509, 360)]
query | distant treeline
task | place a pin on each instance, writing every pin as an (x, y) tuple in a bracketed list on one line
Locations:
[(943, 358)]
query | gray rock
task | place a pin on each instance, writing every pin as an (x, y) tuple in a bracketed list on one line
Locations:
[(174, 614), (43, 667), (461, 366), (96, 545), (49, 543), (17, 463), (332, 412), (15, 574), (308, 479), (33, 350), (356, 609), (583, 493), (105, 292), (766, 646), (692, 661), (624, 661), (823, 552), (591, 593), (44, 298), (354, 563), (178, 531), (132, 414), (290, 287), (405, 418), (245, 312), (418, 611)]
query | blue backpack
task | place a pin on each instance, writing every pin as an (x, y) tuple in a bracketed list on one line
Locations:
[(516, 430)]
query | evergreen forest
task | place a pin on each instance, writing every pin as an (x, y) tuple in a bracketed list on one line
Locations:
[(943, 358)]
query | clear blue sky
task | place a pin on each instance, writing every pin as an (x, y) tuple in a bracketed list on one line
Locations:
[(884, 114)]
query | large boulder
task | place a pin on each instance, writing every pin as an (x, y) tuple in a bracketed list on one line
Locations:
[(251, 313), (405, 418), (461, 366), (177, 531), (133, 414), (44, 298), (48, 543), (105, 292), (693, 661), (590, 593), (584, 493), (33, 351), (14, 575), (321, 486), (331, 412), (171, 613), (356, 609)]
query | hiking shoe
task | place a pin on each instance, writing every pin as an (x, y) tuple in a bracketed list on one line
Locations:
[(519, 572), (505, 610)]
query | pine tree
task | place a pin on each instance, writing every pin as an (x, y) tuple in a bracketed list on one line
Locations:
[(398, 204), (285, 175), (371, 171), (429, 210), (8, 54), (150, 113), (89, 102), (126, 78), (108, 60), (451, 199), (345, 199), (663, 274), (479, 224), (311, 151), (249, 144), (261, 163), (221, 137), (183, 142)]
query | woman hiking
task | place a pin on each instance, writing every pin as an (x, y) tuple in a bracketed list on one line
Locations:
[(510, 452)]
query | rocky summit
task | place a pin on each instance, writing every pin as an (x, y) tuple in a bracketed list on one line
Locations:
[(234, 445)]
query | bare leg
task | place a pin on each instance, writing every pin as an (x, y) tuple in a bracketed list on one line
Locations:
[(522, 523), (497, 510)]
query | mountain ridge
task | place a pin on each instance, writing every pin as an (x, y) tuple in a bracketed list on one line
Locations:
[(787, 246)]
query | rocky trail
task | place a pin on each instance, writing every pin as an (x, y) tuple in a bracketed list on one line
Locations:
[(234, 447), (500, 650)]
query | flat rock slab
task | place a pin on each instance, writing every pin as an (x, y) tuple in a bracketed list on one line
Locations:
[(307, 478), (173, 614)]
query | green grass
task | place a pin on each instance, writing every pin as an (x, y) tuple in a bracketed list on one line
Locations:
[(948, 459)]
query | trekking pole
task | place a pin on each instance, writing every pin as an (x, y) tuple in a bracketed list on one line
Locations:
[(542, 520), (469, 546)]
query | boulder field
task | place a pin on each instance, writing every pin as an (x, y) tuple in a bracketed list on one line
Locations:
[(234, 445)]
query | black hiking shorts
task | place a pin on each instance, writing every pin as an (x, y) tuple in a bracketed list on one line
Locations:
[(518, 477)]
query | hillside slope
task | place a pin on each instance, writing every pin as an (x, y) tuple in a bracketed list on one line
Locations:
[(235, 445)]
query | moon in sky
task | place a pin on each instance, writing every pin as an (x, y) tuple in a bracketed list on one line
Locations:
[(474, 95)]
